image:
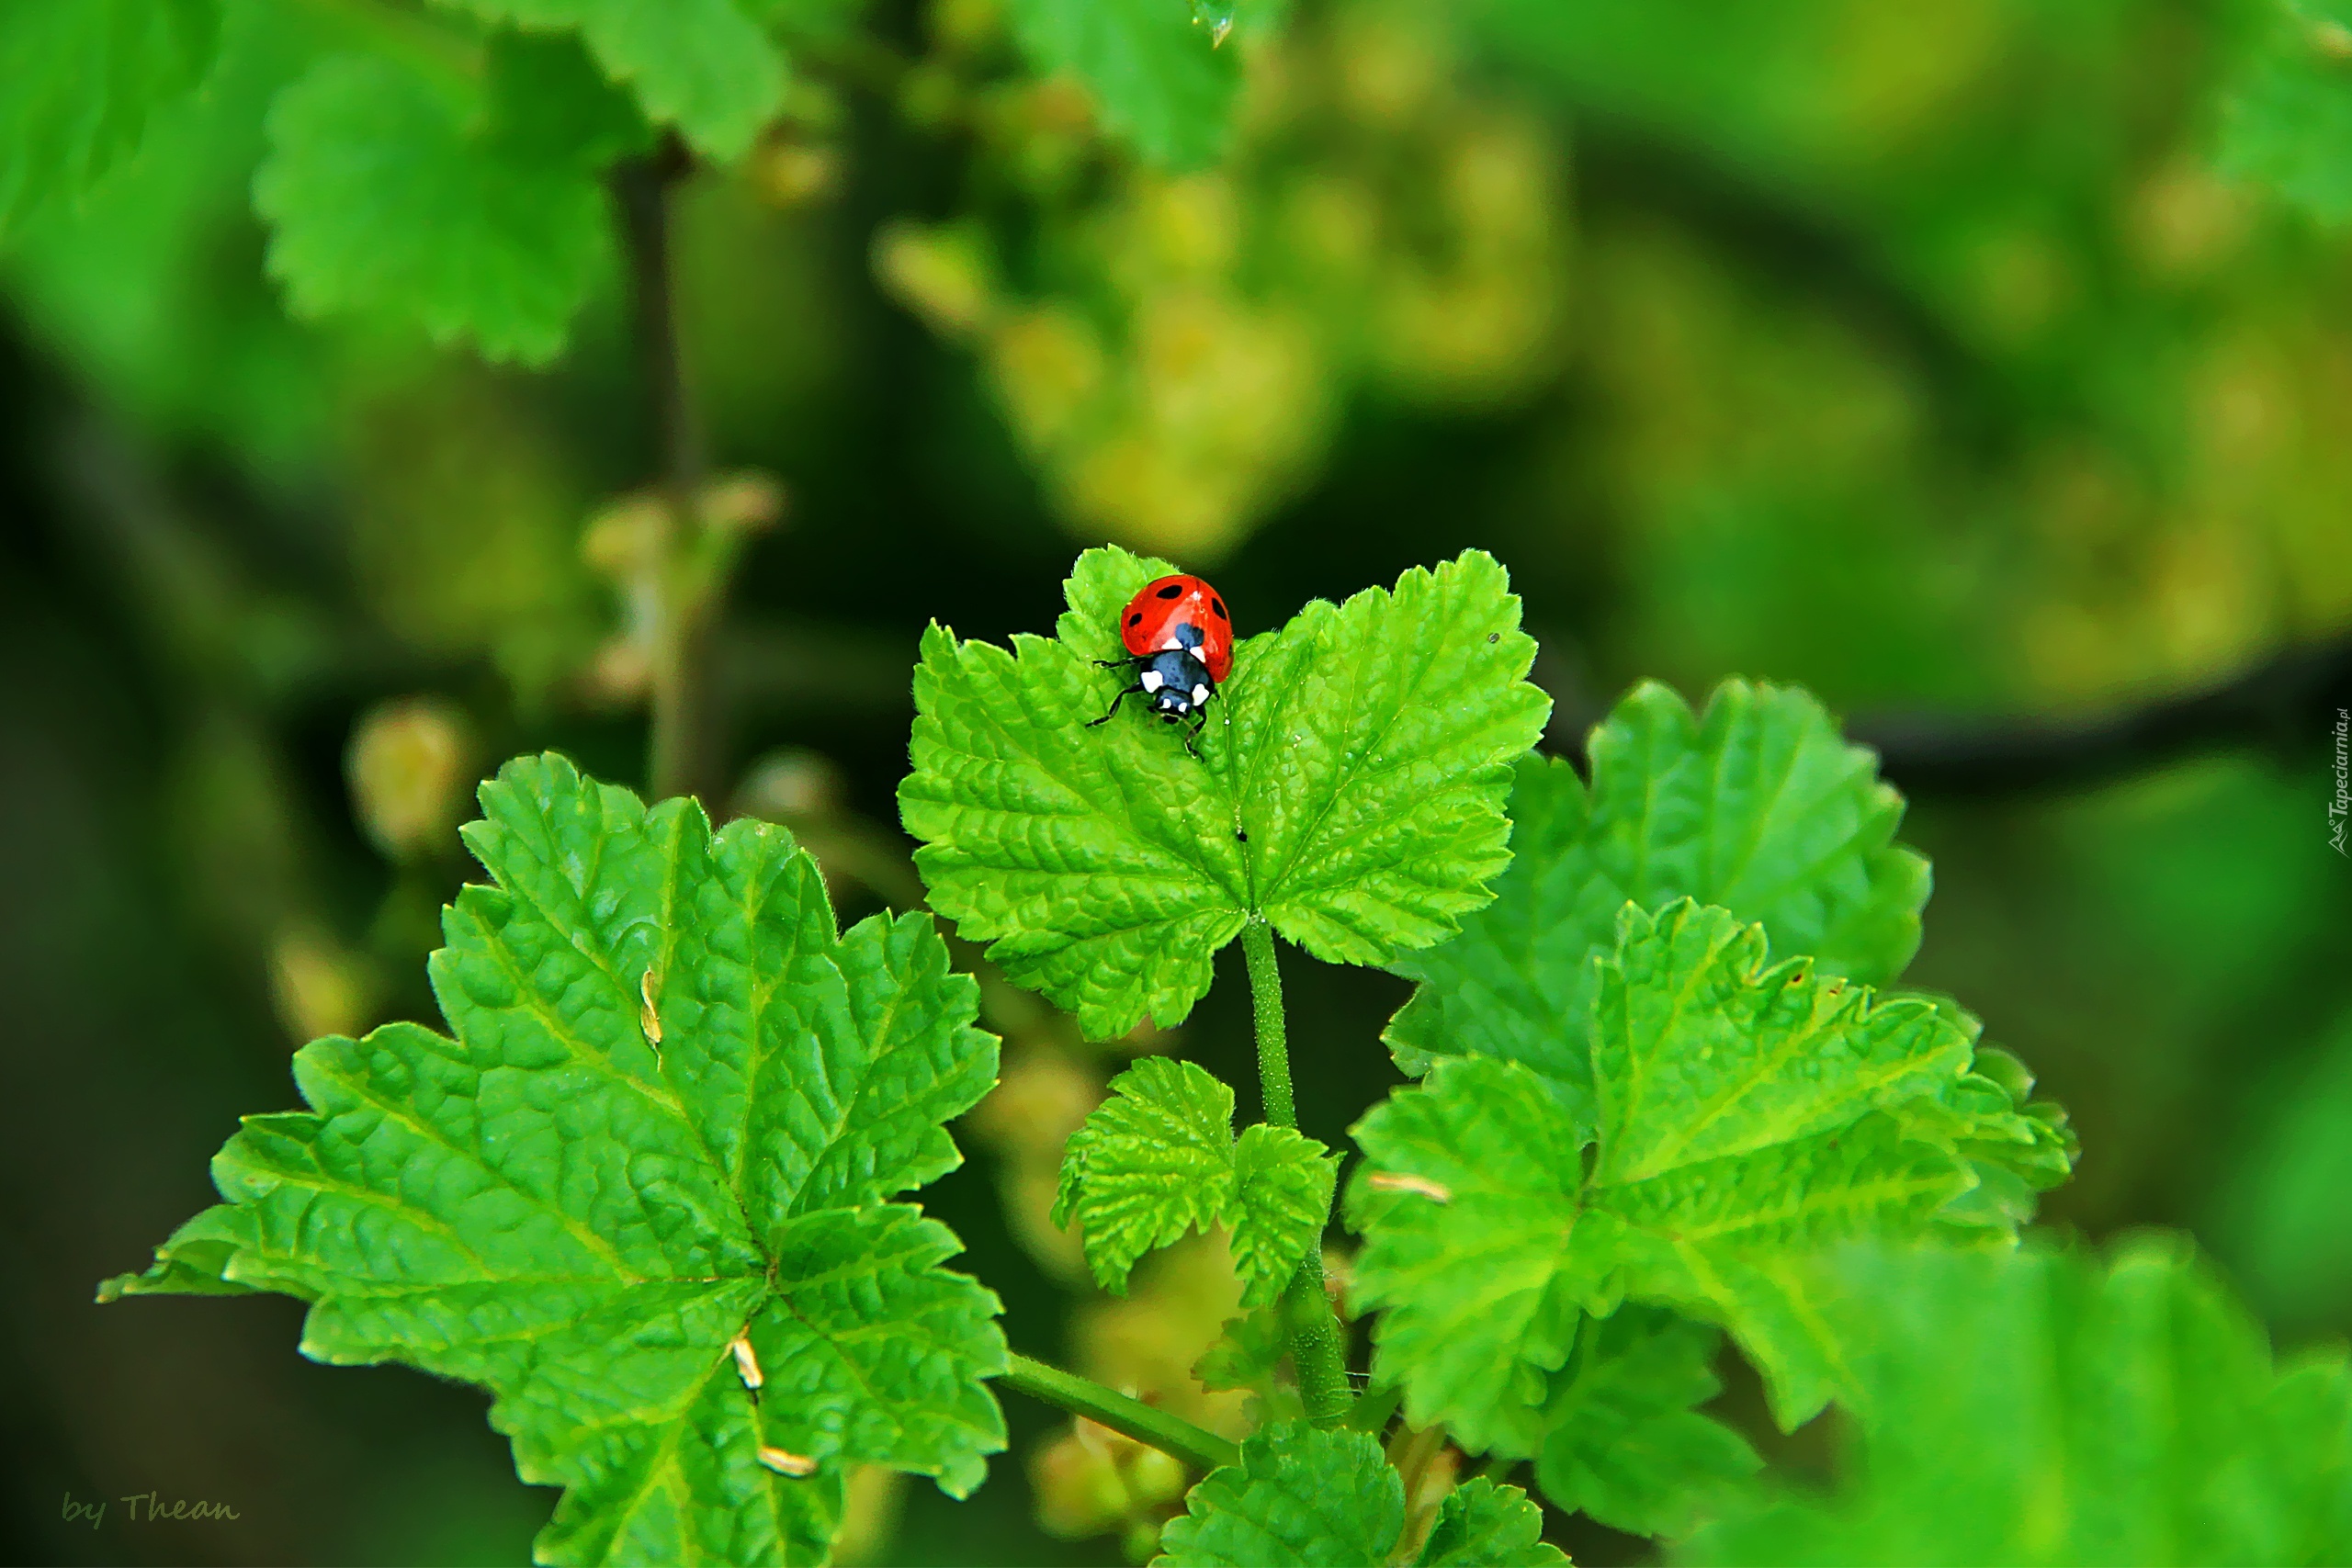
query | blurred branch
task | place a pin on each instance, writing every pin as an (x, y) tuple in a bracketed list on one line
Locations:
[(680, 743), (2286, 706)]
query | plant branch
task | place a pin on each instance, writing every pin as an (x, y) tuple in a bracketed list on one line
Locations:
[(2286, 704), (1307, 1315), (1195, 1445), (687, 589)]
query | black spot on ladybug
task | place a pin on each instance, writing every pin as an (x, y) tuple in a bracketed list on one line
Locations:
[(1494, 637), (1172, 590), (1219, 606), (1136, 619)]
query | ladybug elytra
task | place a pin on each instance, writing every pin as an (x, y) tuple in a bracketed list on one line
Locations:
[(1180, 645)]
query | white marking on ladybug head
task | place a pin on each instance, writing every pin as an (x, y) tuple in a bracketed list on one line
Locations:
[(1151, 681), (1200, 694), (1171, 642)]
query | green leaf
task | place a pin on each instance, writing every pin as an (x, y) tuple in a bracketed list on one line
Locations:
[(1152, 1161), (675, 1111), (1757, 806), (2040, 1407), (1282, 1200), (78, 80), (2287, 122), (1740, 1114), (1246, 1352), (1158, 1159), (1159, 81), (1627, 1445), (1303, 1496), (395, 195), (1483, 1524), (1363, 748), (1298, 1495), (705, 66)]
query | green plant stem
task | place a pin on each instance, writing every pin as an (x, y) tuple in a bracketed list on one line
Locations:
[(1083, 1396), (1274, 1035), (679, 742), (1313, 1326)]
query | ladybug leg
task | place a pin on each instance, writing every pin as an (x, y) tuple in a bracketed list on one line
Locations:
[(1112, 708), (1192, 736)]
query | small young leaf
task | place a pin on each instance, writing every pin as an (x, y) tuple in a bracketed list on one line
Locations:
[(1298, 1495), (1152, 1161), (2039, 1407), (1740, 1114), (1484, 1525), (1157, 1158), (1161, 82), (389, 193), (1301, 1495), (1363, 749), (675, 1112), (1627, 1445), (78, 80), (1246, 1353), (702, 65), (1757, 805), (1282, 1200)]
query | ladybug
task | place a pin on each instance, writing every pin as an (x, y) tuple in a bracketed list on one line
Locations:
[(1180, 645)]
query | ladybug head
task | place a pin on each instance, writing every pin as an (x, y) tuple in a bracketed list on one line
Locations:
[(1176, 682)]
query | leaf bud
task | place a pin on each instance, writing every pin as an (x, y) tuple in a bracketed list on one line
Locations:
[(408, 766)]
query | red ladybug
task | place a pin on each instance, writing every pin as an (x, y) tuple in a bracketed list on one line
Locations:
[(1180, 643)]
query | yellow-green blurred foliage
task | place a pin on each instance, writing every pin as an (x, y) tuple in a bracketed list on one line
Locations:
[(464, 527), (1175, 350)]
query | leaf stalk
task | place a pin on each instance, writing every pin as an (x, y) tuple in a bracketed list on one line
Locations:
[(1315, 1349), (1196, 1445)]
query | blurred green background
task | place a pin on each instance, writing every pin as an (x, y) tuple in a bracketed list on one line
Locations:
[(1928, 355)]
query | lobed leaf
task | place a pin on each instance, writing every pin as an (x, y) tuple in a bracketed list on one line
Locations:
[(394, 195), (1159, 81), (78, 81), (1309, 1497), (1157, 1158), (1482, 1523), (1757, 805), (2041, 1408), (705, 66), (1740, 1115), (1363, 751), (675, 1112), (1626, 1443)]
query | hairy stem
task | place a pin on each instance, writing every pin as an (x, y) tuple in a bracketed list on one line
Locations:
[(680, 740), (1083, 1396), (1314, 1327)]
